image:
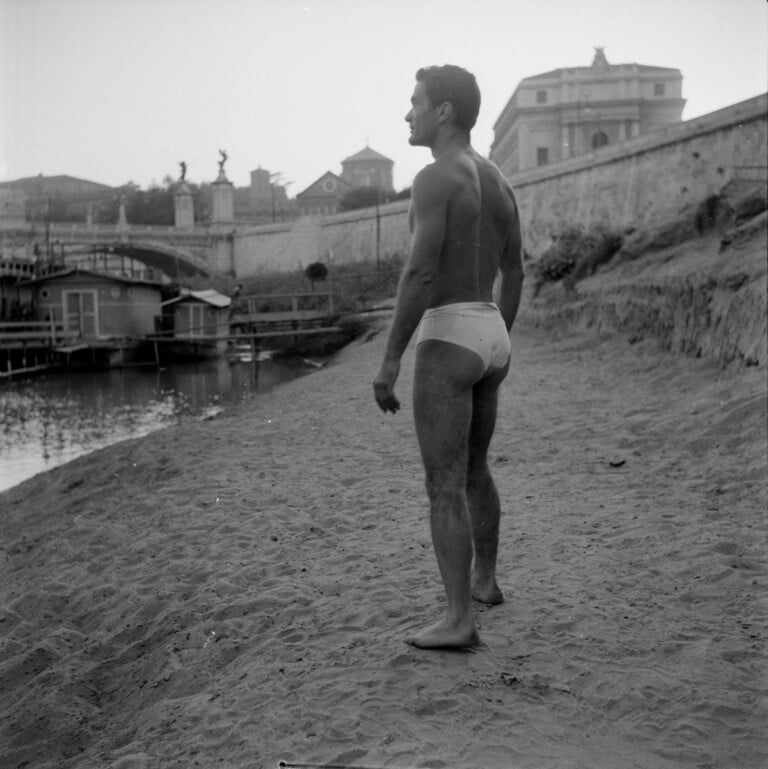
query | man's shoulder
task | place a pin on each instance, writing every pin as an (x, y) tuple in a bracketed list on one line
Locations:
[(432, 172), (432, 180), (487, 166)]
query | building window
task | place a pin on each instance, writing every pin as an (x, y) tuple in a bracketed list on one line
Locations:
[(658, 89), (542, 156), (599, 140), (541, 97)]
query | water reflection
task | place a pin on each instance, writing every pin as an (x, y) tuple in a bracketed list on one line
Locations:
[(47, 421)]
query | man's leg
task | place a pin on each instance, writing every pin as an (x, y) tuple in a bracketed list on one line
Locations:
[(443, 413), (482, 497)]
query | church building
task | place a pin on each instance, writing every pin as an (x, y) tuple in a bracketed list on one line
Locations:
[(323, 196), (368, 168)]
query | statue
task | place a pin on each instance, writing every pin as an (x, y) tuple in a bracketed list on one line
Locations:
[(183, 167), (223, 160)]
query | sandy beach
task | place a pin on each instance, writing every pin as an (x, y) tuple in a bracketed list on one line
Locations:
[(235, 592)]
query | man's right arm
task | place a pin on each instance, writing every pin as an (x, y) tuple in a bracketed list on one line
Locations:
[(429, 205), (511, 266)]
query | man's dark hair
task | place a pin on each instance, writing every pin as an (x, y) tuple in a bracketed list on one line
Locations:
[(455, 85)]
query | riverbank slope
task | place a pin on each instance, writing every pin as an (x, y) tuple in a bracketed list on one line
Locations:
[(236, 592)]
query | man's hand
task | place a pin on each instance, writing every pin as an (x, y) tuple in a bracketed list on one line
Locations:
[(384, 386)]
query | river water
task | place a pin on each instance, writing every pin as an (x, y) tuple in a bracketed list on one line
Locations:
[(49, 420)]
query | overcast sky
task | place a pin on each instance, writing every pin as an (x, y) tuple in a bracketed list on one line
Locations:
[(122, 90)]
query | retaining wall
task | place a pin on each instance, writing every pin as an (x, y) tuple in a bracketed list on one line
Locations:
[(647, 178), (638, 181)]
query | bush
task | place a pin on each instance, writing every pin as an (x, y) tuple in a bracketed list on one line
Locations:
[(355, 285), (363, 197), (713, 213), (575, 253)]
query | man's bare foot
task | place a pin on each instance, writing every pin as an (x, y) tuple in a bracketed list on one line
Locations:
[(485, 589), (447, 635)]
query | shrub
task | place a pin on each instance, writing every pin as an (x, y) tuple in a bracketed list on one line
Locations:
[(575, 252)]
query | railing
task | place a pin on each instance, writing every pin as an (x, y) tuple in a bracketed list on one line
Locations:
[(80, 228), (25, 332), (24, 341), (17, 268), (278, 308)]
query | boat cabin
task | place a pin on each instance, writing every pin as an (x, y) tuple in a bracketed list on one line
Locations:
[(198, 315), (95, 306)]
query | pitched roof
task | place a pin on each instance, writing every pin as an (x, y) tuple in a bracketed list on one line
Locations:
[(366, 154), (67, 271), (52, 181), (208, 295), (318, 188)]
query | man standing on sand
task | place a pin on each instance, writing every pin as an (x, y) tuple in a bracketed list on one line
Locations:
[(465, 231)]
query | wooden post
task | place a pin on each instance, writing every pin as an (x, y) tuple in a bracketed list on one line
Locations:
[(254, 357), (157, 355)]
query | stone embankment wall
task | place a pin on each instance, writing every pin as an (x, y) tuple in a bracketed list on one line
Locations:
[(339, 239), (629, 184), (647, 178), (352, 236), (259, 249)]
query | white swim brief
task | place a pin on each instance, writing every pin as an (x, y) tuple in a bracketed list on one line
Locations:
[(478, 326)]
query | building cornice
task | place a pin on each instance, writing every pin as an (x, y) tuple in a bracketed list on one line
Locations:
[(742, 112)]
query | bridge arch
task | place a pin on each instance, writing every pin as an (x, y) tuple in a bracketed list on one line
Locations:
[(177, 263)]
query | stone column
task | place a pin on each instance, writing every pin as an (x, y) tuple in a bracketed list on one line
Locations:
[(183, 208), (565, 146), (222, 230), (122, 227), (223, 200)]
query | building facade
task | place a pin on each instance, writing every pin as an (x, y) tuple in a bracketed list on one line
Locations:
[(572, 111), (57, 197), (368, 168), (323, 196), (266, 200)]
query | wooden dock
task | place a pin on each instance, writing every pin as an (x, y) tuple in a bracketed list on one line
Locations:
[(31, 333), (29, 346), (301, 310), (36, 346)]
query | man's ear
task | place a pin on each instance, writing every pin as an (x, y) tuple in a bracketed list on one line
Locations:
[(445, 114)]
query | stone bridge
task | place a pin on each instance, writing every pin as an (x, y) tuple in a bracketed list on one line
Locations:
[(179, 253)]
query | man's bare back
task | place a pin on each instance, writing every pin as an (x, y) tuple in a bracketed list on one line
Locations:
[(481, 219)]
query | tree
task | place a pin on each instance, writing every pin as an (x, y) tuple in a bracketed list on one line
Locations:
[(404, 194), (316, 271), (363, 197), (155, 206)]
